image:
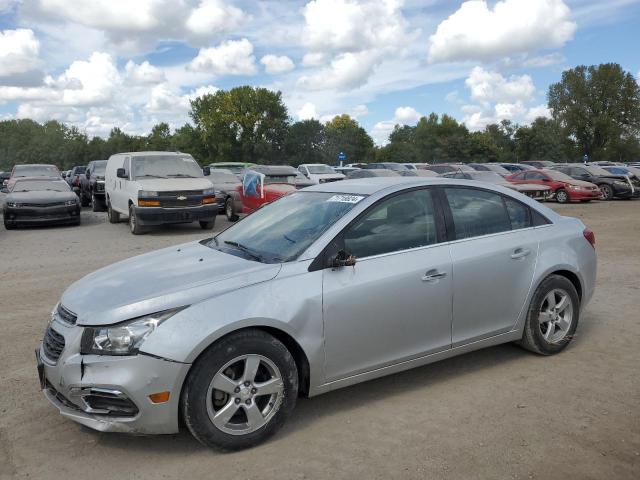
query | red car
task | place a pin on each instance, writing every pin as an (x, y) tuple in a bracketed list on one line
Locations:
[(563, 187), (261, 184), (33, 170)]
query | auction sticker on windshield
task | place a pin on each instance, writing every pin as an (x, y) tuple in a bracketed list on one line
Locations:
[(345, 198)]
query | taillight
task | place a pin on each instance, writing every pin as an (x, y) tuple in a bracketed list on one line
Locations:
[(590, 236)]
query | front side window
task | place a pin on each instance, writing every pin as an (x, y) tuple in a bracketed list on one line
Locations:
[(534, 176), (399, 223), (477, 212)]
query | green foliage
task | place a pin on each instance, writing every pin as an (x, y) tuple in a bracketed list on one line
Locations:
[(244, 124), (344, 134), (599, 107), (544, 139), (305, 143)]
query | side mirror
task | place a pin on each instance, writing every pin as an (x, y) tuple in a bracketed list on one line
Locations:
[(121, 173), (64, 174), (343, 259), (206, 171)]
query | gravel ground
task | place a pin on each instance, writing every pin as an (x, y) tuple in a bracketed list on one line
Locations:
[(497, 413)]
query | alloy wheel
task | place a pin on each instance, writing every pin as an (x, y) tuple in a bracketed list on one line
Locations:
[(245, 394), (556, 314)]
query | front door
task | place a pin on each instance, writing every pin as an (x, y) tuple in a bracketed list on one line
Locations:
[(395, 303)]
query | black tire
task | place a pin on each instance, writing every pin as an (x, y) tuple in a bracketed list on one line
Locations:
[(83, 199), (207, 225), (96, 205), (114, 217), (562, 196), (134, 223), (194, 398), (229, 210), (9, 225), (607, 191), (533, 336)]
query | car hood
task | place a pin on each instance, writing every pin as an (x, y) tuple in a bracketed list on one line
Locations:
[(173, 184), (580, 183), (156, 281), (40, 197), (326, 175)]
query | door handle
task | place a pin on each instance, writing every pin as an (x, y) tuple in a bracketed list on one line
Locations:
[(433, 275), (519, 253)]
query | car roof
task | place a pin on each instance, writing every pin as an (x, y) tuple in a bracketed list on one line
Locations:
[(42, 178), (369, 186)]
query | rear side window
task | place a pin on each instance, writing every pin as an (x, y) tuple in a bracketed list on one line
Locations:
[(399, 223), (534, 176), (519, 214), (477, 212)]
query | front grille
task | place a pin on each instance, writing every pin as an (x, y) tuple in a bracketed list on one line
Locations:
[(175, 203), (110, 403), (99, 187), (53, 344), (185, 193), (66, 316), (41, 205)]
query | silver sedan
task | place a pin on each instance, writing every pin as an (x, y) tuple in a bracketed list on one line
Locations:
[(330, 286)]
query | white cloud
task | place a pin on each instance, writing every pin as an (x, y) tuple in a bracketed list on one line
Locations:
[(19, 50), (144, 73), (214, 16), (277, 64), (477, 32), (313, 59), (347, 70), (402, 116), (487, 86), (7, 5), (307, 112), (233, 57), (499, 98)]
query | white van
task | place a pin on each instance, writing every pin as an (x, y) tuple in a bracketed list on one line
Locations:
[(320, 173), (155, 188)]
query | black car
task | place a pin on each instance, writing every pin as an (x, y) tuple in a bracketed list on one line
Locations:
[(4, 179), (92, 186), (40, 201), (224, 182), (610, 185)]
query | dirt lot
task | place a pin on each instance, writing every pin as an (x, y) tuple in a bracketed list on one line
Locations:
[(497, 413)]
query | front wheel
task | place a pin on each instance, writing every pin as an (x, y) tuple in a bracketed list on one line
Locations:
[(229, 210), (553, 316), (240, 391), (96, 205), (83, 199), (207, 225), (134, 223), (562, 196), (114, 217), (607, 191)]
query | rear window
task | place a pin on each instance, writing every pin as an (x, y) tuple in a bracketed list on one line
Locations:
[(36, 171)]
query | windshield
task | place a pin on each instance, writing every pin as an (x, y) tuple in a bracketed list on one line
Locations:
[(36, 171), (284, 229), (559, 176), (319, 169), (490, 177), (99, 168), (223, 177), (597, 171), (615, 171), (279, 179), (39, 185), (166, 166)]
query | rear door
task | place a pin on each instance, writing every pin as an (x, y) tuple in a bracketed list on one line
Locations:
[(494, 252)]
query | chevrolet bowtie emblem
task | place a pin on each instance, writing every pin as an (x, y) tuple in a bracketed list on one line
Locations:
[(182, 197)]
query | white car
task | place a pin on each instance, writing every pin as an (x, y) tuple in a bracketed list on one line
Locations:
[(155, 188), (320, 173)]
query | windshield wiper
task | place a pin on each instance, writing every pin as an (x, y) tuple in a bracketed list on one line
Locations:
[(149, 175), (246, 250), (183, 175)]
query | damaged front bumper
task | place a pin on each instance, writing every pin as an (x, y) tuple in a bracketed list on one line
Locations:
[(110, 393)]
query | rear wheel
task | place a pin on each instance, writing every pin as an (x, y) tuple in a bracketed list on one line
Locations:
[(240, 391), (553, 316), (607, 191), (114, 217), (229, 210), (562, 196)]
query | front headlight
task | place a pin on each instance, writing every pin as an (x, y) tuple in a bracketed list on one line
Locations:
[(575, 187), (71, 203), (620, 183), (13, 204), (147, 193), (124, 338), (209, 191)]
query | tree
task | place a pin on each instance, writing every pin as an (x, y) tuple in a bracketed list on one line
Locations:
[(441, 139), (344, 134), (501, 136), (597, 106), (544, 139), (160, 137), (401, 147), (188, 139), (243, 124), (305, 143)]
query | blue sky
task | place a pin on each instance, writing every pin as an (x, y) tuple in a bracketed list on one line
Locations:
[(132, 63)]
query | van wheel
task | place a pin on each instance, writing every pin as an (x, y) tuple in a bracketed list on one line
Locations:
[(114, 217), (553, 316), (134, 224), (240, 391), (207, 225), (230, 211)]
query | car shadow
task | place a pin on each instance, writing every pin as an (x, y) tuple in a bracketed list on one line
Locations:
[(312, 410)]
